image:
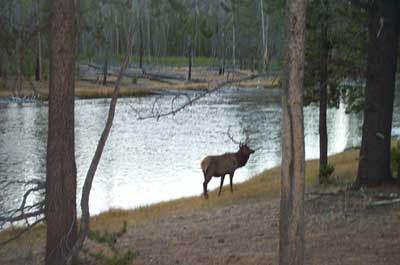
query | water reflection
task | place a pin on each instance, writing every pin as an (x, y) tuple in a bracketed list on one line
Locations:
[(150, 161)]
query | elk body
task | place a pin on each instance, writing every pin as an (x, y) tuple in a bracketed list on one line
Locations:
[(220, 165)]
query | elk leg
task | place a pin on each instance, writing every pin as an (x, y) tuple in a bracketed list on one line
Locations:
[(231, 179), (206, 180), (222, 183)]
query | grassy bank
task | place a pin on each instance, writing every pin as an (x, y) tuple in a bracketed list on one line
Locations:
[(264, 186)]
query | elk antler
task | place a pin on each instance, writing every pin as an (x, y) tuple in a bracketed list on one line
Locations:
[(247, 133), (230, 137)]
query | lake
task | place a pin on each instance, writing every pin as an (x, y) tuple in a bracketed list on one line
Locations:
[(148, 161)]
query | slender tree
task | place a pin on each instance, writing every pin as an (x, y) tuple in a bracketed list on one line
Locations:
[(61, 168), (383, 28), (323, 84), (291, 228)]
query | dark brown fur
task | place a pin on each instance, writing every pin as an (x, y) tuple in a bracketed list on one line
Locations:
[(220, 165)]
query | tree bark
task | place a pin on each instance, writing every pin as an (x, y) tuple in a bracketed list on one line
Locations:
[(383, 28), (61, 168), (141, 46), (37, 41), (233, 42), (18, 51), (2, 72), (323, 134), (105, 69), (18, 65), (291, 228), (190, 62)]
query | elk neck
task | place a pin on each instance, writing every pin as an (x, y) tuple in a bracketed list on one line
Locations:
[(242, 158)]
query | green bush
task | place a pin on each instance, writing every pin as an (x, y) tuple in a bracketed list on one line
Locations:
[(325, 174), (110, 239)]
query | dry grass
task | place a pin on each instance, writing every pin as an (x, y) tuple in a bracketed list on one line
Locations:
[(265, 185), (142, 86)]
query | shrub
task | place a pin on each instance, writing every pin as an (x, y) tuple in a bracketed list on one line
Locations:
[(325, 174), (110, 239)]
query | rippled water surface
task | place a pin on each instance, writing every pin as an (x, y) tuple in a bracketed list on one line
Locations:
[(147, 161)]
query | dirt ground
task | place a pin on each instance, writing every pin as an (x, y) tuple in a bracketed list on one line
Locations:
[(247, 233), (338, 231)]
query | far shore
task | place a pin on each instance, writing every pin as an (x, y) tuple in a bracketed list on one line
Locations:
[(88, 87)]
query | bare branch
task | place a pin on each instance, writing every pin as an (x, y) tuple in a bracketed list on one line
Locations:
[(20, 233), (24, 212), (157, 114)]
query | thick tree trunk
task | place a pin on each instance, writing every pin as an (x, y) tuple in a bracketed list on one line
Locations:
[(374, 163), (323, 134), (291, 228), (61, 167)]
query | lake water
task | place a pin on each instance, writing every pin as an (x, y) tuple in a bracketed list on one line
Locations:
[(148, 161)]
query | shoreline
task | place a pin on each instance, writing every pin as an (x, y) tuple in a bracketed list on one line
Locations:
[(91, 87), (236, 228)]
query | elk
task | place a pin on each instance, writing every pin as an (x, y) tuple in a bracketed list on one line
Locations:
[(220, 165)]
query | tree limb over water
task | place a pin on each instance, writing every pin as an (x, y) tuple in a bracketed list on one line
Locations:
[(190, 98), (29, 214)]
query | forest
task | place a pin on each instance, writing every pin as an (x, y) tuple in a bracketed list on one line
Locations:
[(319, 54)]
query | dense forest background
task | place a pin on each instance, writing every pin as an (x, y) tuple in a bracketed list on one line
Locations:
[(233, 32)]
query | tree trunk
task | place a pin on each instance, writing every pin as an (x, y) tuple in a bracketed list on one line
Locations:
[(233, 43), (18, 51), (61, 167), (141, 51), (2, 72), (291, 228), (323, 134), (37, 40), (87, 186), (105, 69), (266, 51), (116, 51), (190, 63), (374, 163), (18, 64), (264, 37)]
